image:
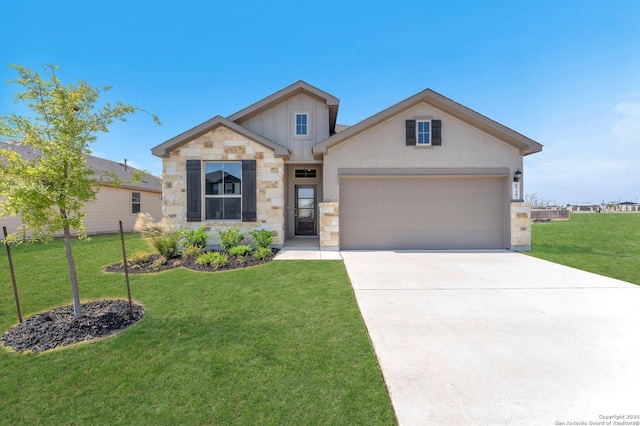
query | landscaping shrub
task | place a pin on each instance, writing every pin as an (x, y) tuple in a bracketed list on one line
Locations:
[(139, 257), (191, 252), (205, 259), (214, 258), (219, 259), (240, 250), (160, 235), (230, 238), (194, 238), (159, 262), (262, 238), (262, 253), (167, 244)]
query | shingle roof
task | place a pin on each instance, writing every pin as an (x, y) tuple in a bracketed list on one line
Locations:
[(164, 149), (125, 174)]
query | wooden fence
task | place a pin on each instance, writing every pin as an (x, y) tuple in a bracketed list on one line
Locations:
[(544, 214)]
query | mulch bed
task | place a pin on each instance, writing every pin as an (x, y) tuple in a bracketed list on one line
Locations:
[(149, 265), (60, 327)]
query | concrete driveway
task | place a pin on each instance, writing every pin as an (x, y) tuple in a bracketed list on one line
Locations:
[(499, 338)]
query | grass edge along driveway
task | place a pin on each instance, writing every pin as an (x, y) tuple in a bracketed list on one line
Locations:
[(282, 343), (603, 243)]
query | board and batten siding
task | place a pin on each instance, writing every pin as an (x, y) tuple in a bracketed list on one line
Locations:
[(276, 124), (111, 205)]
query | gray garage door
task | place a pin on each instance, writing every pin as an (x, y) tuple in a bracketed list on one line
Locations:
[(430, 213)]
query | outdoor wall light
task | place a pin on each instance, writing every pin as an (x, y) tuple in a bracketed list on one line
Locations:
[(517, 176)]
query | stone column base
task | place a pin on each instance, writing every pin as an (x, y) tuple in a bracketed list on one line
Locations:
[(329, 229), (520, 226)]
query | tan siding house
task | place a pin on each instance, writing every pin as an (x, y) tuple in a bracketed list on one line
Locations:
[(112, 204), (425, 173)]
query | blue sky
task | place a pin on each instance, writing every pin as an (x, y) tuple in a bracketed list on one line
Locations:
[(564, 73)]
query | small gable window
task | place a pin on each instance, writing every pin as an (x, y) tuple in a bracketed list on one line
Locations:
[(423, 132), (302, 124)]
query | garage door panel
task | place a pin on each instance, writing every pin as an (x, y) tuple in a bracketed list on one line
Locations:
[(421, 213), (423, 240)]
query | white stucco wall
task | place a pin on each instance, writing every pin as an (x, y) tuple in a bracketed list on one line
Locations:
[(383, 146)]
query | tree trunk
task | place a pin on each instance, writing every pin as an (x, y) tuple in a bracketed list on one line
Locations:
[(72, 268)]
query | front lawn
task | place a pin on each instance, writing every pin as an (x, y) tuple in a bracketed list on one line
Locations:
[(605, 243), (281, 343)]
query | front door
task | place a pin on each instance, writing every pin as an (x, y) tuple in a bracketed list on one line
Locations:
[(305, 209)]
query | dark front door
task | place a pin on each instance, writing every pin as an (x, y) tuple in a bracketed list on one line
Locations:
[(305, 211)]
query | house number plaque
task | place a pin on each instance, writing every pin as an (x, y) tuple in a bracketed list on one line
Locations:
[(516, 193)]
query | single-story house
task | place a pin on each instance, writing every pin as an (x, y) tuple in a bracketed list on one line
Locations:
[(425, 173), (624, 206), (112, 203), (584, 208)]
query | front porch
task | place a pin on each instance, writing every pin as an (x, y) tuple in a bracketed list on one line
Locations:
[(305, 248)]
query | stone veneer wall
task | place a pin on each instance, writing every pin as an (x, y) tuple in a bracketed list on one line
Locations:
[(520, 226), (329, 231), (222, 144)]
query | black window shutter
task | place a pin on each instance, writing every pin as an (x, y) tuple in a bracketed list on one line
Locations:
[(194, 191), (411, 132), (436, 129), (249, 205)]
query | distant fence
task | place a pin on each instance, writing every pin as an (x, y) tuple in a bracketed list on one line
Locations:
[(543, 214)]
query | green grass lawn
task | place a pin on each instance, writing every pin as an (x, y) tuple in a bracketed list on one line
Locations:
[(605, 243), (281, 343)]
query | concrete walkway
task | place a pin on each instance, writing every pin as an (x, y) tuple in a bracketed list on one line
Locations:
[(499, 338), (305, 249)]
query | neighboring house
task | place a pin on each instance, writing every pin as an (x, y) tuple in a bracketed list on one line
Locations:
[(625, 206), (426, 173), (112, 204), (584, 208)]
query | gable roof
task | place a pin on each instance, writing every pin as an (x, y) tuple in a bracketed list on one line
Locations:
[(164, 149), (524, 144), (298, 87), (124, 173)]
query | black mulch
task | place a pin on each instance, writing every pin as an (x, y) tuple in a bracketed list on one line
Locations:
[(179, 262), (60, 327)]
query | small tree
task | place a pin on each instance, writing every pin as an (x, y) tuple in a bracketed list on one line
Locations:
[(51, 189), (537, 202)]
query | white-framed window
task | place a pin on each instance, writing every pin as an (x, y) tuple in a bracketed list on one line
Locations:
[(223, 190), (136, 201), (423, 132), (301, 124)]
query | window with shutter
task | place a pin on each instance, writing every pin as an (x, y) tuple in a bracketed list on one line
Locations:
[(229, 191), (423, 132)]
